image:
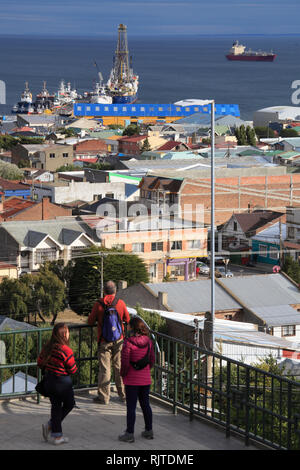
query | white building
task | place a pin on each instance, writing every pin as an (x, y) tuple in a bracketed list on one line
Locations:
[(264, 116)]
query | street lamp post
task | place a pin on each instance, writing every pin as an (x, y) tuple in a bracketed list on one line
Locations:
[(212, 229)]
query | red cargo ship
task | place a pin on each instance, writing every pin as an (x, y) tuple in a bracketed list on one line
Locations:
[(239, 52)]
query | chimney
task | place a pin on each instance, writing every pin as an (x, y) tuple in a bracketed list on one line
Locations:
[(162, 299), (45, 203), (122, 285)]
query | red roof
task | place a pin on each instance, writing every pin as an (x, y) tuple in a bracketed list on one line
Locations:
[(171, 144), (133, 138), (14, 205)]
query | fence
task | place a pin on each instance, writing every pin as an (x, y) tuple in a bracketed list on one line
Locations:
[(260, 406)]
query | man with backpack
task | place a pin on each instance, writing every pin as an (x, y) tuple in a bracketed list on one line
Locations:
[(110, 314)]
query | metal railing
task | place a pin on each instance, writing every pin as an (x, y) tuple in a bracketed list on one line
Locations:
[(259, 406)]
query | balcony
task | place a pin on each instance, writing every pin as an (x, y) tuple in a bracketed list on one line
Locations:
[(200, 399)]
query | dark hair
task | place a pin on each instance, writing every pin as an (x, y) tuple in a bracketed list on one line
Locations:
[(138, 326), (58, 337), (110, 288)]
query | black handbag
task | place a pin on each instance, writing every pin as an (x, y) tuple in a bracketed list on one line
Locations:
[(41, 386)]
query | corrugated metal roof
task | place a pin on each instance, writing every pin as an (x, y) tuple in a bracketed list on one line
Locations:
[(270, 290), (278, 315), (194, 297)]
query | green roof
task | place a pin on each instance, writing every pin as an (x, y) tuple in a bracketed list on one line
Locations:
[(288, 155)]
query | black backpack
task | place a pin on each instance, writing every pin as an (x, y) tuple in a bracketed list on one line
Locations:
[(143, 362)]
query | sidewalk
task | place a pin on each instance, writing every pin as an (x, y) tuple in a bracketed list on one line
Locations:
[(95, 427)]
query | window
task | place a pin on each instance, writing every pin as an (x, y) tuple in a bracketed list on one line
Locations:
[(88, 108), (52, 155), (263, 250), (133, 108), (157, 246), (65, 155), (105, 108), (235, 226), (119, 246), (79, 108), (124, 108), (142, 108), (176, 245), (273, 253), (193, 244), (291, 232), (153, 271), (47, 254), (138, 247), (288, 330)]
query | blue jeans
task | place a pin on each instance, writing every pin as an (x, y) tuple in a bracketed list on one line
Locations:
[(62, 401), (133, 393)]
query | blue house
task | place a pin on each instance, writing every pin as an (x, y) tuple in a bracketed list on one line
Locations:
[(11, 188), (266, 244)]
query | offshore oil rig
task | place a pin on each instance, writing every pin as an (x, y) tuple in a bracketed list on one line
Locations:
[(122, 84)]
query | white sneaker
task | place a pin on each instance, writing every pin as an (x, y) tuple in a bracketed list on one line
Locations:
[(59, 440)]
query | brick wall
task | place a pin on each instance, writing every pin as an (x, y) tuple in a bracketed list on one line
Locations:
[(90, 147), (240, 194), (44, 210)]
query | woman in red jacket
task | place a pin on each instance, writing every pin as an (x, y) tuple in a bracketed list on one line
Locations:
[(137, 382), (57, 360)]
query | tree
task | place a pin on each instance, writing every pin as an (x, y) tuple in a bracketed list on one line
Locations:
[(132, 129), (146, 147), (241, 135), (14, 299), (10, 171), (251, 136), (85, 282), (264, 131), (154, 321), (288, 133), (292, 269), (47, 294)]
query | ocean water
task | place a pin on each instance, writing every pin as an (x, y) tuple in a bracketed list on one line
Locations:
[(169, 68)]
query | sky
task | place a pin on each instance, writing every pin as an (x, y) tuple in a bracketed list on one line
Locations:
[(149, 17)]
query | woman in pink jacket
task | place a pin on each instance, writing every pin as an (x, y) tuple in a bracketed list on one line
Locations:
[(137, 382)]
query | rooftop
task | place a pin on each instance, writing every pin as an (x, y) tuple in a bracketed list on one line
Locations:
[(96, 427)]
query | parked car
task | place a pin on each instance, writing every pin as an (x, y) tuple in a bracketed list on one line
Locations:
[(221, 272), (204, 269)]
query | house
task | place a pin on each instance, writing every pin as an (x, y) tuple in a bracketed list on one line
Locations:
[(291, 242), (39, 121), (184, 297), (28, 244), (238, 341), (131, 145), (168, 246), (16, 208), (8, 270), (267, 244), (13, 188), (236, 233), (63, 192), (90, 148), (18, 383), (46, 156), (275, 307), (172, 145)]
